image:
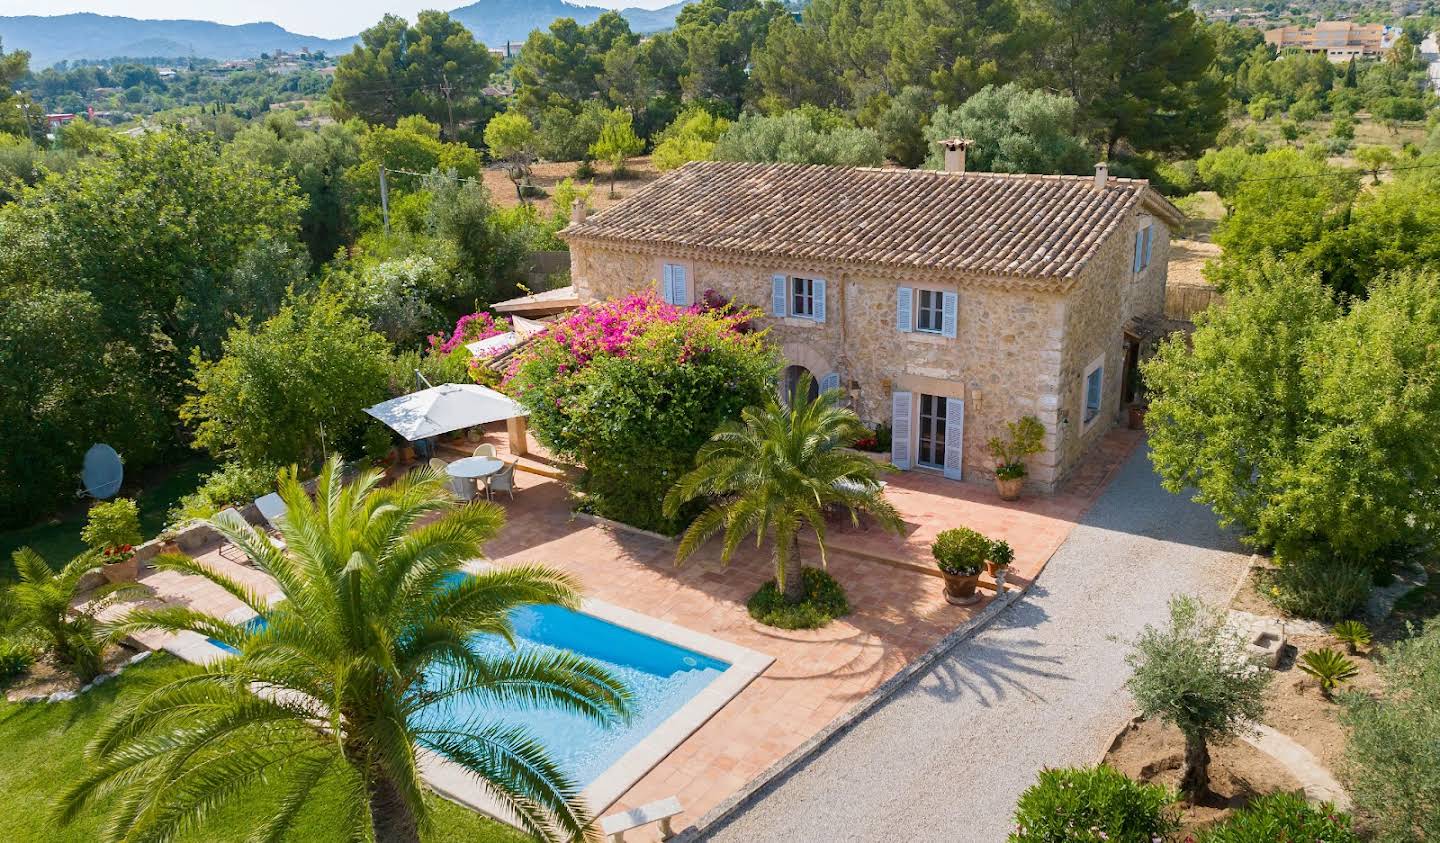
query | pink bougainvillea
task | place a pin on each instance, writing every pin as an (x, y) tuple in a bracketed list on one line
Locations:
[(471, 327)]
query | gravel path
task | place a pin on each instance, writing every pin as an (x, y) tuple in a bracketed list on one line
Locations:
[(946, 758)]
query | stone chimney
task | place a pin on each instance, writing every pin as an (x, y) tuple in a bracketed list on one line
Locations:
[(1102, 174), (578, 211), (955, 153)]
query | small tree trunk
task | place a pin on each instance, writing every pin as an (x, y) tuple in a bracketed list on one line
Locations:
[(1196, 779), (390, 815), (794, 576)]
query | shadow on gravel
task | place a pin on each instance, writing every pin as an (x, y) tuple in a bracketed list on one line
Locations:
[(1136, 504), (988, 671)]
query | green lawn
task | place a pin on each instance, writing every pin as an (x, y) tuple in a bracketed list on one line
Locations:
[(41, 748), (59, 539)]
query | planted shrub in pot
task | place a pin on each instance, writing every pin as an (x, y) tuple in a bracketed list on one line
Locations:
[(960, 554), (1022, 438), (113, 528)]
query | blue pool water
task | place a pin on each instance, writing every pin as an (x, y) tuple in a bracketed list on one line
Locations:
[(661, 676)]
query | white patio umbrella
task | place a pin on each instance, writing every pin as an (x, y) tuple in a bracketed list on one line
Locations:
[(441, 409)]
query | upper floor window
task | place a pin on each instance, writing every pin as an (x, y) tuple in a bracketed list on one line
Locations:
[(1144, 240), (926, 311), (930, 311), (802, 297), (798, 296), (675, 284), (1094, 386)]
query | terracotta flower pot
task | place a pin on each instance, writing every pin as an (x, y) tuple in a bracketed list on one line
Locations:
[(1137, 417), (127, 571), (991, 568), (960, 588), (1009, 487)]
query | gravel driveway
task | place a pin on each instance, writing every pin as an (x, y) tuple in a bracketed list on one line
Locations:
[(946, 758)]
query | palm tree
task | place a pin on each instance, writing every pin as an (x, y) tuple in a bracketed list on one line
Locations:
[(776, 472), (44, 607), (333, 684)]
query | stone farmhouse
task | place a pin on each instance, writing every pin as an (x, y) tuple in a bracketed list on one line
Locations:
[(944, 303)]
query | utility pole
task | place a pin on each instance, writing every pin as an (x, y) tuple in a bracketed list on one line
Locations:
[(384, 199), (449, 105)]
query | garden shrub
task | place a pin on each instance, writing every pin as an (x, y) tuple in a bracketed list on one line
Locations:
[(631, 389), (15, 659), (112, 524), (1093, 803), (1282, 817), (232, 484), (1392, 754), (824, 602), (1324, 590)]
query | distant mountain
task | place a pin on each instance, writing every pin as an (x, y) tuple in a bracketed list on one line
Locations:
[(497, 21), (85, 36), (50, 39)]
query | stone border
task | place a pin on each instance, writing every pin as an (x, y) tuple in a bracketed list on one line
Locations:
[(612, 524), (100, 679), (742, 799)]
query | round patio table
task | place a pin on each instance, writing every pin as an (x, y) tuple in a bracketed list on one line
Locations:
[(472, 469)]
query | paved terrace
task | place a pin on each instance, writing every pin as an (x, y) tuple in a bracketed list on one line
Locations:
[(899, 611)]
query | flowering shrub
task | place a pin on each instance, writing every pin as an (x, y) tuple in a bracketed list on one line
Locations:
[(472, 327), (632, 388), (1093, 804)]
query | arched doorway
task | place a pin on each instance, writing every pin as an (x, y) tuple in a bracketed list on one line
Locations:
[(790, 382)]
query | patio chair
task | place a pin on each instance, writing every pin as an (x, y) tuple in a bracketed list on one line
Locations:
[(485, 449), (231, 517), (272, 509), (438, 464), (502, 481)]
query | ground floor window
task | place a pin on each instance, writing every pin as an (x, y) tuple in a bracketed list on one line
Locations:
[(1094, 390), (931, 439)]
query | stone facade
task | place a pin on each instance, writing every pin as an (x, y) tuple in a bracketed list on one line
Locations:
[(1021, 346)]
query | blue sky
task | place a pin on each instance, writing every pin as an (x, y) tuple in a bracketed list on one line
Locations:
[(327, 18)]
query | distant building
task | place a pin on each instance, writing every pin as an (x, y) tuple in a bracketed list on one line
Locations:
[(1430, 54), (1340, 41)]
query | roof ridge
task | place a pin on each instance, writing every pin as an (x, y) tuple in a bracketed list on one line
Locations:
[(790, 165)]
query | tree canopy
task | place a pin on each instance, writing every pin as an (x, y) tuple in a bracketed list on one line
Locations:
[(433, 68)]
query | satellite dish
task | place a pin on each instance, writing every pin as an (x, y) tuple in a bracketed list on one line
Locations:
[(102, 472)]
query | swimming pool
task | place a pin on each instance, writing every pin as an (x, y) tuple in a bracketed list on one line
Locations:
[(679, 679), (661, 676)]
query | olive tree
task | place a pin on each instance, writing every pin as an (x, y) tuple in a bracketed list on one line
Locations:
[(1196, 674)]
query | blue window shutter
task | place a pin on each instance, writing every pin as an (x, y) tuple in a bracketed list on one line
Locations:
[(819, 291), (667, 283), (900, 429), (681, 285), (1149, 242), (904, 309), (1139, 251), (830, 381), (954, 437), (777, 295), (951, 315)]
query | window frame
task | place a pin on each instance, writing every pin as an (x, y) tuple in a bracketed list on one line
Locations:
[(793, 295), (937, 309), (1087, 419), (939, 421)]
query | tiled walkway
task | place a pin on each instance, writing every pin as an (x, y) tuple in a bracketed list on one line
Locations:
[(898, 612)]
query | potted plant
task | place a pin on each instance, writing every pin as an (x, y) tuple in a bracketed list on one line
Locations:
[(960, 554), (113, 529), (1137, 415), (1022, 439), (1001, 555), (121, 564)]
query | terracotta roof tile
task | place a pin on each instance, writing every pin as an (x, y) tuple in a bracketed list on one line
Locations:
[(982, 223)]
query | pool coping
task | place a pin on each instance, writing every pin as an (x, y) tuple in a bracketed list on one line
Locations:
[(453, 782), (457, 784)]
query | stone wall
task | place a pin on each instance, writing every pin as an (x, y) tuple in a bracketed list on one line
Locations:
[(1001, 362), (1108, 294), (1016, 352)]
